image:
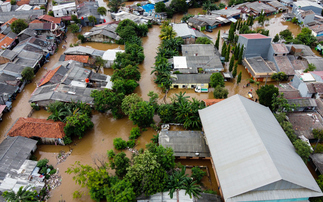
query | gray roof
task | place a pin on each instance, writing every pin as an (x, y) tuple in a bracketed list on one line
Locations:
[(9, 54), (112, 35), (317, 61), (13, 152), (284, 65), (207, 63), (226, 12), (185, 143), (26, 15), (8, 79), (306, 50), (29, 55), (260, 6), (63, 93), (246, 144), (88, 8), (37, 2), (7, 90), (277, 4), (199, 49), (303, 102), (182, 30), (81, 50), (196, 22), (258, 65), (191, 78), (12, 67), (317, 159)]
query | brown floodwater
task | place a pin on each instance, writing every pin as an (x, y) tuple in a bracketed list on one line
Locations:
[(100, 139)]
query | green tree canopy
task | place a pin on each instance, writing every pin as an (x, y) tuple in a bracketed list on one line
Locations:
[(167, 32), (129, 72), (216, 79), (311, 67), (124, 86), (114, 5), (203, 40), (51, 13), (77, 124), (306, 37), (197, 174), (279, 76), (265, 94), (18, 25), (92, 20), (160, 7), (142, 114), (121, 190), (23, 194), (28, 74), (179, 6), (239, 77), (128, 101), (286, 34), (120, 163), (302, 149), (102, 11), (220, 92), (217, 42), (74, 28), (276, 38)]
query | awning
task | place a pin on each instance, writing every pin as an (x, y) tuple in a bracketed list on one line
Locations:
[(233, 20)]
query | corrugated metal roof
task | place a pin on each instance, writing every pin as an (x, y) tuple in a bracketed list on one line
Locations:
[(182, 30), (253, 157)]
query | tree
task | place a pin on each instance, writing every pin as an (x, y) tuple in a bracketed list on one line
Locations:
[(240, 55), (128, 101), (81, 38), (306, 37), (75, 19), (102, 11), (135, 52), (280, 104), (237, 52), (106, 99), (239, 77), (318, 133), (13, 2), (92, 19), (77, 124), (217, 42), (142, 114), (122, 190), (129, 72), (114, 5), (197, 174), (276, 38), (224, 49), (124, 86), (165, 156), (262, 18), (74, 28), (146, 175), (302, 149), (265, 94), (231, 32), (279, 76), (227, 56), (160, 7), (23, 194), (18, 25), (286, 125), (153, 100), (191, 188), (119, 143), (134, 133), (120, 163), (220, 92), (179, 6), (286, 34), (28, 74), (235, 69), (99, 63), (250, 21), (311, 67), (294, 20), (166, 113), (203, 40), (167, 33), (216, 79), (231, 64), (175, 182), (51, 13)]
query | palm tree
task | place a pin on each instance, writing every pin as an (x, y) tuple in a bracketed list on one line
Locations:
[(102, 11), (176, 182), (59, 115), (23, 195), (191, 188), (167, 33)]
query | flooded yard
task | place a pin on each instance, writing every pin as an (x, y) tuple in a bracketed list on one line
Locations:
[(97, 141)]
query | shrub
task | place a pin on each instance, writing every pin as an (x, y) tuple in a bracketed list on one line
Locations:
[(47, 176), (197, 174), (53, 171), (42, 163), (319, 149), (28, 74), (155, 138), (131, 143), (134, 133), (51, 13), (13, 2), (81, 38), (119, 143), (43, 170), (35, 106)]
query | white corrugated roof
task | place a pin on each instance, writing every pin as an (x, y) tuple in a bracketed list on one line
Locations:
[(307, 77), (182, 30), (180, 62), (111, 54), (253, 157), (63, 6)]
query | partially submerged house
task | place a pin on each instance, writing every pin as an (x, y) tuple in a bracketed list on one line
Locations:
[(7, 56), (254, 45), (258, 68), (190, 81), (37, 45), (309, 84), (306, 6), (188, 34), (8, 41), (253, 168), (255, 8), (185, 144), (317, 30), (47, 131), (110, 55), (104, 33), (86, 9), (303, 104), (227, 13), (203, 22), (65, 10)]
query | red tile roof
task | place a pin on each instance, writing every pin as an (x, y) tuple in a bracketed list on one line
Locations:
[(9, 21), (31, 127), (209, 102), (78, 58), (7, 41), (22, 2), (36, 21), (48, 76), (2, 36), (50, 19), (254, 36)]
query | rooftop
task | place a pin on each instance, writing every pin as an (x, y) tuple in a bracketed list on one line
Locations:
[(9, 54), (246, 144), (78, 58), (180, 62), (280, 48), (50, 19), (182, 30), (254, 36), (303, 102), (284, 65), (317, 159), (209, 102), (31, 127), (192, 78), (185, 143), (304, 122), (258, 65)]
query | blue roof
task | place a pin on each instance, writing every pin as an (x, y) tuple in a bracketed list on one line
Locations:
[(148, 7)]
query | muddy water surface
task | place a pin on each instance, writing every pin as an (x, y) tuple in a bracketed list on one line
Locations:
[(97, 141)]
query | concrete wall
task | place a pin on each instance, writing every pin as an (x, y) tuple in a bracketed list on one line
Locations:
[(270, 55), (189, 86), (100, 38), (255, 47)]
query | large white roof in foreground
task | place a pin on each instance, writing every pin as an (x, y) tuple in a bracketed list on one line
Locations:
[(252, 155)]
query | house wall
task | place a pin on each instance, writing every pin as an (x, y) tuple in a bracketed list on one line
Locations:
[(100, 38), (301, 86), (307, 19), (189, 86), (86, 22), (65, 12), (255, 47), (317, 78), (56, 141)]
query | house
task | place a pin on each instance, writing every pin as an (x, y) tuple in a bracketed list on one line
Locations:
[(288, 3), (209, 102), (316, 61), (190, 81), (317, 30), (29, 14), (79, 58), (304, 16), (7, 94), (307, 5), (254, 45), (5, 6), (304, 122), (227, 13), (3, 108), (8, 41), (81, 50), (7, 56), (86, 9), (25, 34), (203, 22), (185, 144), (65, 10), (47, 94), (7, 79), (110, 55), (303, 104), (189, 35), (303, 82), (47, 18), (288, 90), (104, 33), (38, 3), (257, 7), (16, 169), (37, 45), (30, 59), (12, 69), (47, 131), (255, 169), (125, 15), (277, 5), (258, 68)]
